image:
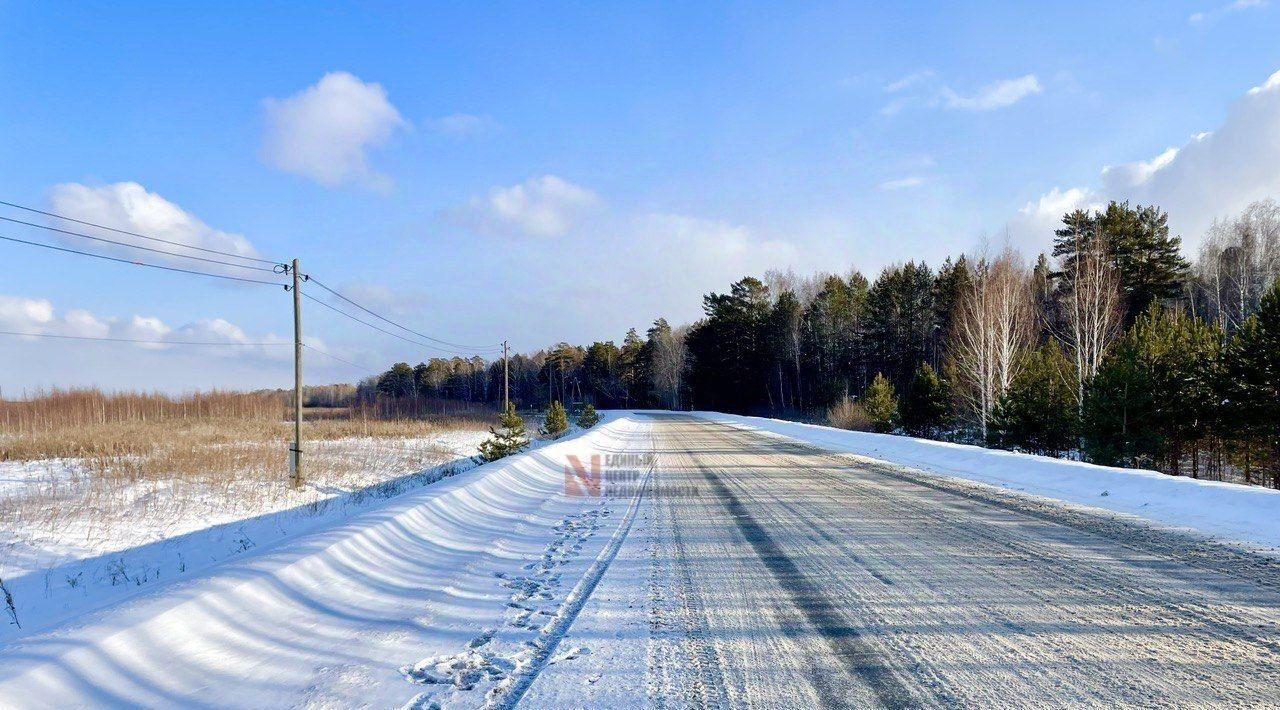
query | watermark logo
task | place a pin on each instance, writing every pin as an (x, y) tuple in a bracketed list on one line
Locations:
[(605, 474), (582, 479), (620, 476)]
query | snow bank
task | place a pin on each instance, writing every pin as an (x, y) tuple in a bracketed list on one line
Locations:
[(1244, 514), (330, 617)]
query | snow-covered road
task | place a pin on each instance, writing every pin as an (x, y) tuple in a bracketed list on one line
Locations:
[(799, 578), (694, 562)]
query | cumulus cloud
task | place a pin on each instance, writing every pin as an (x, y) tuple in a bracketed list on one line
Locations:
[(326, 131), (37, 316), (24, 314), (1213, 174), (903, 183), (923, 89), (546, 206), (130, 207)]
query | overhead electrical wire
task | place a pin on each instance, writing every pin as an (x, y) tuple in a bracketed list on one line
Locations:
[(139, 236), (314, 280), (143, 263), (381, 329), (136, 340), (335, 357), (277, 267), (139, 246)]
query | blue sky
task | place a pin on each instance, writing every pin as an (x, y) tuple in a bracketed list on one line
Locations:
[(545, 172)]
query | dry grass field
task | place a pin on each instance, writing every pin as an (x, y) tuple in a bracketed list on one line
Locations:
[(135, 466)]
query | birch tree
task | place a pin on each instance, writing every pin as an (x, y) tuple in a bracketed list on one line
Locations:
[(1091, 309), (669, 353), (1239, 260), (995, 325)]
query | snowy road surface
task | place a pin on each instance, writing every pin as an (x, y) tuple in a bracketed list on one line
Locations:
[(798, 578), (729, 569)]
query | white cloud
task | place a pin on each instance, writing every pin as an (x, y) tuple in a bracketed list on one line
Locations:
[(129, 206), (672, 260), (546, 206), (141, 328), (999, 94), (462, 125), (1213, 174), (84, 324), (1140, 171), (714, 239), (37, 316), (325, 131), (1032, 228), (1235, 6), (929, 92), (903, 183), (25, 315), (909, 80)]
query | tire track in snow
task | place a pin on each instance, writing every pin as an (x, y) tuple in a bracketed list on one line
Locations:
[(858, 657), (1094, 608)]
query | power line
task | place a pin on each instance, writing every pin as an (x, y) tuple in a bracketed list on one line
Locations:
[(335, 357), (137, 246), (134, 340), (317, 282), (378, 328), (135, 234), (142, 263)]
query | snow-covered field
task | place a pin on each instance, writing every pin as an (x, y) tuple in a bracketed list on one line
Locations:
[(1247, 514), (67, 543)]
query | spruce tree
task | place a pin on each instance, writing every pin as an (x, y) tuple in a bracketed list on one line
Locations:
[(1038, 411), (557, 422), (881, 404), (588, 417), (509, 439), (925, 405)]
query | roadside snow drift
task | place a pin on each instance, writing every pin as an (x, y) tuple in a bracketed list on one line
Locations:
[(379, 610), (1227, 510)]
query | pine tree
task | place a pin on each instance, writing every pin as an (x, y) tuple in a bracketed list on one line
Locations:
[(1253, 386), (397, 382), (1155, 393), (1151, 266), (1137, 239), (557, 421), (924, 408), (509, 439), (1038, 412), (901, 319), (1119, 405), (588, 417), (881, 404)]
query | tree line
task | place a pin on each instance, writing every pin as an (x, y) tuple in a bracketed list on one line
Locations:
[(1113, 347)]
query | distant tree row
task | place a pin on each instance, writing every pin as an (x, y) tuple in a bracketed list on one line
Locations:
[(1113, 348)]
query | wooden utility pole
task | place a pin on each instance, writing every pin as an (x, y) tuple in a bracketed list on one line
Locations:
[(506, 380), (295, 454)]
